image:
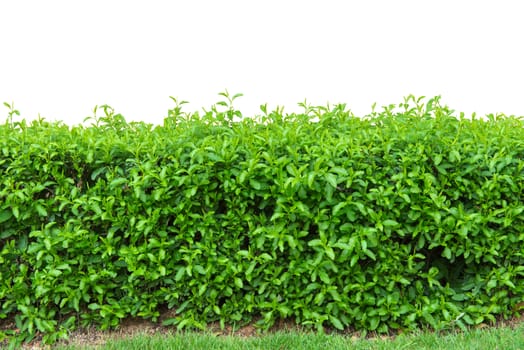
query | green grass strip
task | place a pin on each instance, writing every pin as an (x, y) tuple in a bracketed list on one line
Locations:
[(493, 338)]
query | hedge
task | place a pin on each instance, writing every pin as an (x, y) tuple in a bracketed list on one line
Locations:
[(405, 218)]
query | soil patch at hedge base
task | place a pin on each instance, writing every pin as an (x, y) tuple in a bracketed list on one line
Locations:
[(131, 327)]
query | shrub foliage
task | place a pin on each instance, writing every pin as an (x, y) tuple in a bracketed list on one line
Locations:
[(408, 217)]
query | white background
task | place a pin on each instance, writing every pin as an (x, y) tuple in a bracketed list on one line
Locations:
[(61, 58)]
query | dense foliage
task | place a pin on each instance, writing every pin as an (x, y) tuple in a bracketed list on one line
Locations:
[(404, 218)]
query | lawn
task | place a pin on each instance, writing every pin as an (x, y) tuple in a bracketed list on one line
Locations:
[(508, 336)]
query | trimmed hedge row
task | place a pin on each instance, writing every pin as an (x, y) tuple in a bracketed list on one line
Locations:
[(404, 218)]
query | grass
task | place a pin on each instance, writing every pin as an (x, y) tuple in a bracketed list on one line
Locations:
[(500, 338)]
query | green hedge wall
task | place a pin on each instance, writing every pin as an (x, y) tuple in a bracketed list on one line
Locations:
[(405, 218)]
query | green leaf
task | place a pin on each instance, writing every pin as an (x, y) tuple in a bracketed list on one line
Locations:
[(331, 179), (5, 215), (447, 253), (217, 310), (454, 156), (319, 298), (491, 284), (370, 254), (97, 172), (338, 207), (324, 277), (22, 242), (310, 179), (117, 182), (330, 253), (16, 212), (340, 171), (255, 184), (336, 323), (199, 269), (239, 283), (93, 306), (315, 242), (284, 310), (373, 323), (242, 177), (47, 243), (202, 289), (170, 321), (390, 223)]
